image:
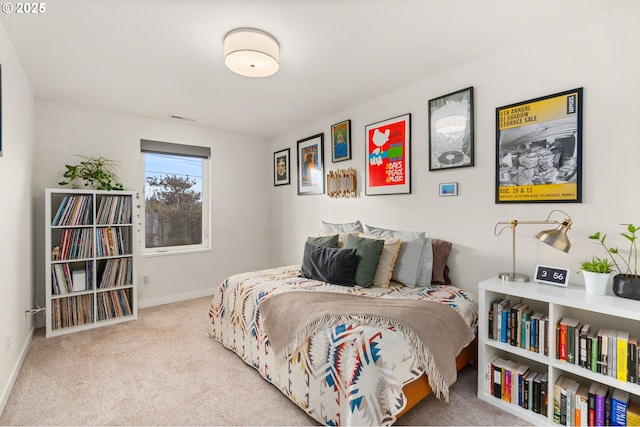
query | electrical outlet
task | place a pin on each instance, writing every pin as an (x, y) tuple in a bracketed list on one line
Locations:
[(145, 280), (7, 343)]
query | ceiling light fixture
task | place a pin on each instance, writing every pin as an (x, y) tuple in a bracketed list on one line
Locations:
[(251, 52)]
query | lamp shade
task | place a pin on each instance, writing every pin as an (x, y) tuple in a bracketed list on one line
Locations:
[(557, 237), (251, 52)]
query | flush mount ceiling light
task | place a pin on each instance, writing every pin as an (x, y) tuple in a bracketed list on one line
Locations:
[(251, 52)]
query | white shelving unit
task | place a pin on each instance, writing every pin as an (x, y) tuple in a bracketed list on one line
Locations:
[(607, 311), (90, 259)]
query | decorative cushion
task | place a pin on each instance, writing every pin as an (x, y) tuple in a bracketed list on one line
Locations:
[(328, 241), (387, 261), (348, 227), (367, 256), (441, 251), (331, 265), (408, 264), (342, 237)]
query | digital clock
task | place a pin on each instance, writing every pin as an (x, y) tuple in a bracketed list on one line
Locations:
[(552, 275)]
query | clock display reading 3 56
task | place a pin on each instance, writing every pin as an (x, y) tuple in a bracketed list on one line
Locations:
[(552, 275)]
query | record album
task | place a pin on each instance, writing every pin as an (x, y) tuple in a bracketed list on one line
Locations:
[(451, 157)]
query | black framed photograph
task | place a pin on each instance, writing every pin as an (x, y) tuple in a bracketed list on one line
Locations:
[(311, 165), (341, 141), (539, 150), (281, 167), (451, 130), (449, 189)]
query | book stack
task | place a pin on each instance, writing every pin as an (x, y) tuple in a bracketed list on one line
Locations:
[(71, 311), (117, 272), (606, 351), (516, 383), (576, 405), (519, 326), (110, 241), (112, 304), (74, 210), (114, 210)]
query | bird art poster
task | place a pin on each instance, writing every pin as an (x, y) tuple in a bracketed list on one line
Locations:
[(388, 169)]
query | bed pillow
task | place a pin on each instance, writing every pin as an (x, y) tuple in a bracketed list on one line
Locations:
[(328, 241), (342, 237), (388, 258), (331, 265), (367, 256), (348, 227), (425, 273), (407, 267), (441, 251)]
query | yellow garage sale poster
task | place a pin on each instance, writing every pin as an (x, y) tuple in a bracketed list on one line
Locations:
[(539, 149)]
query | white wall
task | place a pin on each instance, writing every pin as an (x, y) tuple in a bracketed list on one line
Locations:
[(16, 215), (239, 192), (597, 54)]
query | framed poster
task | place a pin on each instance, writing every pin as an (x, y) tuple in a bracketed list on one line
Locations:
[(451, 130), (281, 167), (311, 165), (388, 145), (0, 110), (539, 150), (341, 141)]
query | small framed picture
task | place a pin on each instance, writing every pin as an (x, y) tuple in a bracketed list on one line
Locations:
[(449, 189), (281, 167), (341, 141), (311, 165)]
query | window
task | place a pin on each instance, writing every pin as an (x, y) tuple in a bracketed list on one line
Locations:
[(176, 197)]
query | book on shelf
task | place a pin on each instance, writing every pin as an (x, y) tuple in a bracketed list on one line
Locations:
[(582, 406), (557, 399), (619, 404), (571, 391), (583, 346), (633, 413), (600, 410), (621, 356), (79, 280), (632, 359)]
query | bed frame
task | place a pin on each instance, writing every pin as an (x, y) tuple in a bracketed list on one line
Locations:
[(418, 389)]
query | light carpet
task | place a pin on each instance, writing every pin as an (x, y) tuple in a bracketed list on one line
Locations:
[(163, 369)]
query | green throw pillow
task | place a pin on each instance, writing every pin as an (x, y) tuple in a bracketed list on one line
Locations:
[(330, 241), (367, 256)]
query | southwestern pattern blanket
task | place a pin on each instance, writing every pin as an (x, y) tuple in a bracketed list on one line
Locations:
[(348, 371)]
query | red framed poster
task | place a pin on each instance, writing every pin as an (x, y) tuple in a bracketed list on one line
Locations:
[(388, 145)]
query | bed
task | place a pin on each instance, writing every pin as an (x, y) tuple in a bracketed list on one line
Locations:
[(346, 355)]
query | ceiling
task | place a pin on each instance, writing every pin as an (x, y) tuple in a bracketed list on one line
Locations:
[(157, 58)]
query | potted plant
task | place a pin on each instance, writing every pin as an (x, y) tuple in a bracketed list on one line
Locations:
[(626, 283), (94, 172), (596, 274)]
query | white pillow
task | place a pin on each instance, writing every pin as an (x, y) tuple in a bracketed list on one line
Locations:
[(348, 227), (387, 260)]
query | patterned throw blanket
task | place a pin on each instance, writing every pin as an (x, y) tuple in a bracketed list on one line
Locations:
[(438, 331)]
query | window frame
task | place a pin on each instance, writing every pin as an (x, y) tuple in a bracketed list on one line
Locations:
[(185, 150)]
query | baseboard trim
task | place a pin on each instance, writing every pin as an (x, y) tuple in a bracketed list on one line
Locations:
[(174, 298), (6, 392)]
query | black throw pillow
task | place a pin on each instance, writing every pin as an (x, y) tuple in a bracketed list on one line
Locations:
[(331, 265)]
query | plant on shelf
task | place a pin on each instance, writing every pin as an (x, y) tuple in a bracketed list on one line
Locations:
[(596, 272), (596, 265), (93, 172), (626, 283)]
